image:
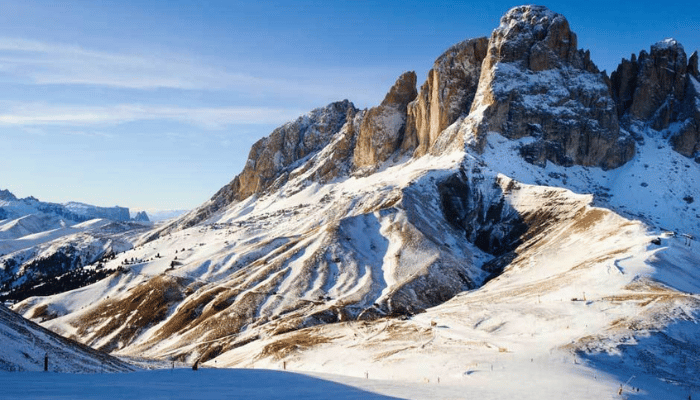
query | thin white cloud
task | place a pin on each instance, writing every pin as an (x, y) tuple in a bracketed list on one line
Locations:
[(38, 114), (45, 63)]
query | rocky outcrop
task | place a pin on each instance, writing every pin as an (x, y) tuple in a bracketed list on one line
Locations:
[(6, 195), (535, 82), (651, 80), (383, 127), (141, 216), (273, 158), (446, 94), (659, 89), (693, 65), (279, 153), (538, 39)]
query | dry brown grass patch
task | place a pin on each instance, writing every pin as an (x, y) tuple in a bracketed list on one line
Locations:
[(295, 342), (144, 306), (586, 219)]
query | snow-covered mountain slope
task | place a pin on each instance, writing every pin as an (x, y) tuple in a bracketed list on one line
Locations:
[(41, 241), (540, 223), (56, 260), (163, 215), (590, 296), (26, 346), (28, 225)]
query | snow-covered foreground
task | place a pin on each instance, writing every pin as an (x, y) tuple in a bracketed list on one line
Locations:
[(535, 380), (178, 384)]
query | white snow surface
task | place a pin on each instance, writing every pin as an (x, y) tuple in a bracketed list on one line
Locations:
[(25, 346), (658, 186)]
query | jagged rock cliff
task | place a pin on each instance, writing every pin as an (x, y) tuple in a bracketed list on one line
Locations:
[(273, 158), (278, 153), (383, 127), (527, 81), (536, 83), (446, 94), (660, 89)]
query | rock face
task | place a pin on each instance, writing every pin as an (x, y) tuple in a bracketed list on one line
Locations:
[(535, 82), (528, 80), (658, 89), (693, 65), (276, 154), (383, 127), (141, 216), (87, 211), (446, 94), (273, 158), (6, 195)]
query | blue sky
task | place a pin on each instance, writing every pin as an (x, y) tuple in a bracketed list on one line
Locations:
[(154, 105)]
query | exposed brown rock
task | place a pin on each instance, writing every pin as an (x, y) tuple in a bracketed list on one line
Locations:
[(271, 156), (693, 65), (687, 140), (539, 39), (331, 162), (624, 82), (657, 89), (535, 82), (661, 74), (446, 94), (383, 126)]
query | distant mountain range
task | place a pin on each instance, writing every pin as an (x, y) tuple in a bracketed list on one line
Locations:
[(72, 212), (40, 242)]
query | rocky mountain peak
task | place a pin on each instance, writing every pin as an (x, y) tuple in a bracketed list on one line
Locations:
[(661, 73), (535, 83), (693, 65), (272, 159), (6, 195), (527, 81), (383, 127), (275, 155), (538, 38), (402, 93), (447, 93), (658, 89)]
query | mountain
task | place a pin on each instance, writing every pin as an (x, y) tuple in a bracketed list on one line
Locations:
[(26, 344), (141, 216), (42, 243), (521, 209), (72, 212)]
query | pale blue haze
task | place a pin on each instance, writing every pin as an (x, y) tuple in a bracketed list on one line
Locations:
[(154, 105)]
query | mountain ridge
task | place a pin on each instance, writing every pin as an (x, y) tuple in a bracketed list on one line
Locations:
[(588, 133)]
